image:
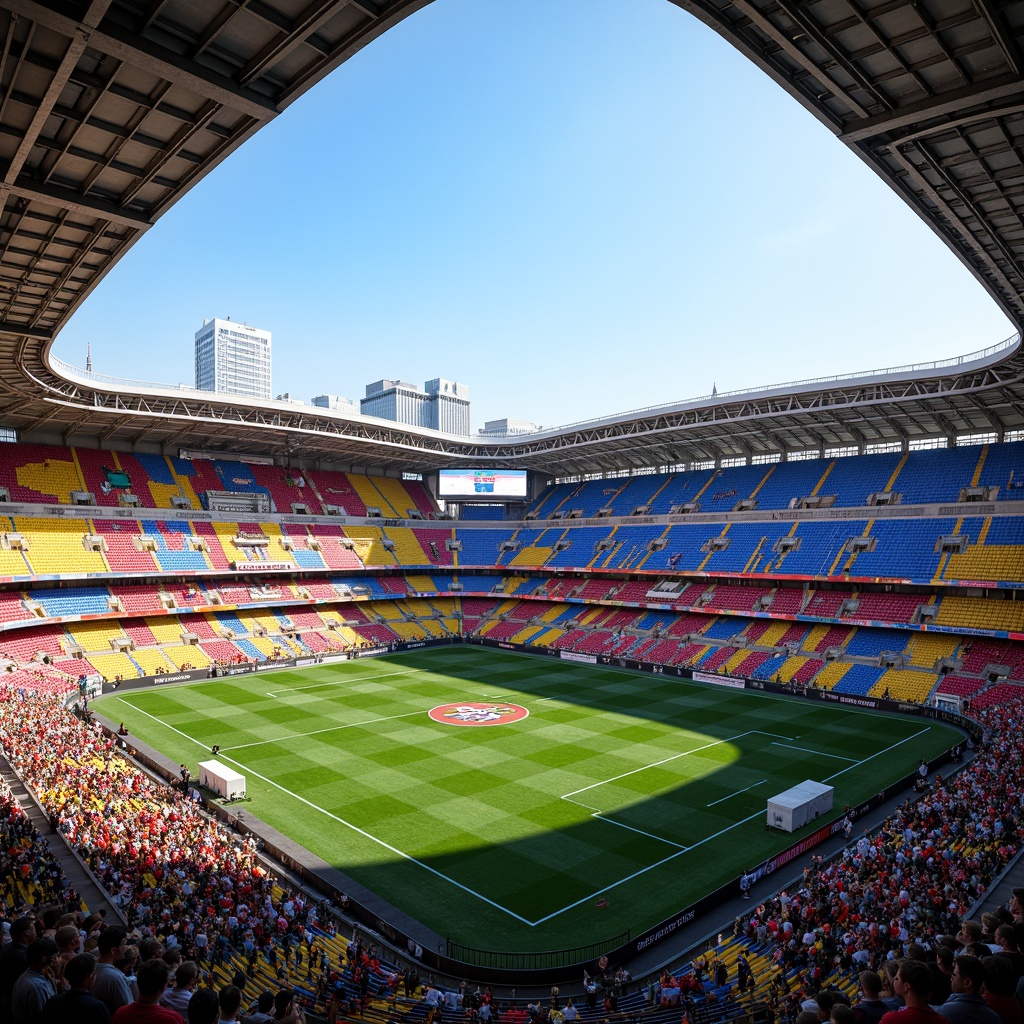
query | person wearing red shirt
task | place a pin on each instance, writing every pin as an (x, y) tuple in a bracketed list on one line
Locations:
[(912, 983), (151, 980)]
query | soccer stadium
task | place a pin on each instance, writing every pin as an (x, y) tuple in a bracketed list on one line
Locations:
[(699, 711)]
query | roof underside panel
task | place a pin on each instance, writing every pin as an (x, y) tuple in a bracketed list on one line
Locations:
[(111, 110)]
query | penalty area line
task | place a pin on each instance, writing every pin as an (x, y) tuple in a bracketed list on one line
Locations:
[(737, 793), (817, 753)]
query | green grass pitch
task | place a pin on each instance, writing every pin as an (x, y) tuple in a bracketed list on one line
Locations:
[(646, 791)]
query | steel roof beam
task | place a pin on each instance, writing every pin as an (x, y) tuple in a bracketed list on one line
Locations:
[(141, 53)]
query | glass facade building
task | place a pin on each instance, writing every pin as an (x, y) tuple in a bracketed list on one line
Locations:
[(233, 359)]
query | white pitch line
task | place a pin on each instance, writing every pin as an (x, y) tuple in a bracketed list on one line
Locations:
[(337, 680), (348, 824), (820, 753), (920, 732), (611, 821), (608, 888), (318, 732), (674, 757), (737, 793)]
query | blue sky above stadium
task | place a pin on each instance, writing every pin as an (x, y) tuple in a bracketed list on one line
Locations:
[(576, 208)]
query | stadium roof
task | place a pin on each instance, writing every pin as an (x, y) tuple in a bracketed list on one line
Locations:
[(111, 110)]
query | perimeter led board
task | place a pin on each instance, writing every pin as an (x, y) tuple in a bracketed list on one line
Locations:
[(482, 483)]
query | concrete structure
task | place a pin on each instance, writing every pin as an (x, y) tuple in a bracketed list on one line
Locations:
[(507, 428), (233, 359), (440, 404), (335, 403)]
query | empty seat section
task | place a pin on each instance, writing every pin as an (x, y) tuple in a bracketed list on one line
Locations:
[(855, 477), (125, 551), (435, 545), (152, 480), (422, 501), (905, 549), (1004, 468), (286, 487), (110, 666), (12, 561), (333, 551), (535, 547), (960, 686), (369, 545), (750, 548), (407, 546), (825, 604), (871, 643), (139, 633), (636, 492), (925, 649), (336, 489), (152, 660), (222, 651), (904, 684), (859, 679), (582, 549), (38, 474), (57, 546), (732, 486), (681, 489), (396, 495), (99, 472), (936, 475), (787, 601), (72, 601), (479, 547), (888, 607), (95, 636), (372, 497), (174, 552), (24, 645), (12, 607), (832, 674), (631, 549), (736, 597), (997, 554), (978, 613), (791, 480), (195, 477), (821, 548)]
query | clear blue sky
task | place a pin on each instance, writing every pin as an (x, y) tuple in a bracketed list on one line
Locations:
[(576, 208)]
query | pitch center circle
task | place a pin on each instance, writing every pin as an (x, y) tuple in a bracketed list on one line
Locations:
[(472, 712)]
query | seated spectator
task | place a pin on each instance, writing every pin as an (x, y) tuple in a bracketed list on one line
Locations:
[(34, 987), (966, 1005), (152, 980), (204, 1007), (999, 992), (912, 983), (78, 1004)]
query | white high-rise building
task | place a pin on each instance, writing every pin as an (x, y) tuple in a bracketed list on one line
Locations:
[(233, 359)]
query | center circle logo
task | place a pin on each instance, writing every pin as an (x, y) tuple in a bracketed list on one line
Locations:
[(477, 713)]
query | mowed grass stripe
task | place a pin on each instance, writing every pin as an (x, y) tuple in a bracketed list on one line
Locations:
[(483, 809)]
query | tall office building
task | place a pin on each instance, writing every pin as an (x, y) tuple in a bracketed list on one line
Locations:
[(233, 359), (440, 404)]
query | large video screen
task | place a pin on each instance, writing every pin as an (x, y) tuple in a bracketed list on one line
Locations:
[(482, 483)]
